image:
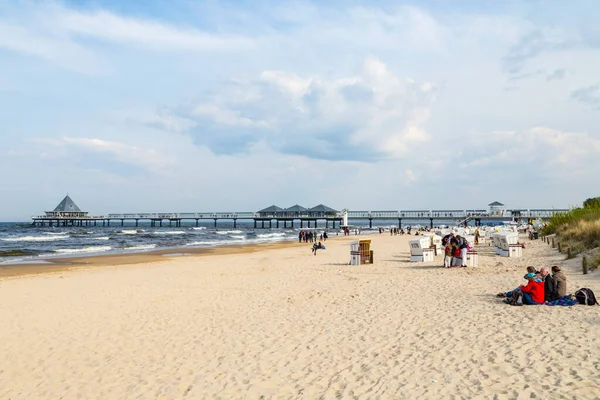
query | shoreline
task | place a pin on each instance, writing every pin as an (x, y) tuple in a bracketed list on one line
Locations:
[(61, 264)]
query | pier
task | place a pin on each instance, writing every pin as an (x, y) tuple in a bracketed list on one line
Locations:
[(68, 214)]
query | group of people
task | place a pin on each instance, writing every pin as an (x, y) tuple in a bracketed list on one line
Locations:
[(311, 236), (347, 231), (455, 250), (541, 288), (394, 231)]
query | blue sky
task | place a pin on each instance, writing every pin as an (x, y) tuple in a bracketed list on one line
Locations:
[(217, 106)]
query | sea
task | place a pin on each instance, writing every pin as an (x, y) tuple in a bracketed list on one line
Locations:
[(24, 243)]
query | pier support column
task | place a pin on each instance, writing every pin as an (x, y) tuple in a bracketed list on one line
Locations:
[(254, 224), (122, 222), (215, 222), (292, 224), (277, 223), (300, 224), (137, 222), (370, 223), (196, 222), (271, 223), (160, 223), (326, 223), (308, 223), (263, 224), (431, 223), (234, 223), (315, 223), (399, 223)]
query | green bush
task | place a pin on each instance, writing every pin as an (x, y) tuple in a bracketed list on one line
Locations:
[(578, 229), (561, 221)]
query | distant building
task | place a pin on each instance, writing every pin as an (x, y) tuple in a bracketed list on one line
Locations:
[(322, 211), (295, 211), (298, 211), (272, 211), (67, 209), (496, 208)]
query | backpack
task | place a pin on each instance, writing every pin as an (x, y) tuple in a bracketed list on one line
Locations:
[(585, 296), (516, 299)]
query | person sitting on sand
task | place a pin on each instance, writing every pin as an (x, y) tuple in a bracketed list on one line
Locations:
[(530, 270), (533, 292), (550, 290), (561, 281)]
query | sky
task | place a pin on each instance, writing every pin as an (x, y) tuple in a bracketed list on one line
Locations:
[(202, 106)]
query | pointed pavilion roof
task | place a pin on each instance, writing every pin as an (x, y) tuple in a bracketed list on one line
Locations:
[(296, 208), (271, 209), (322, 208), (67, 205), (496, 203)]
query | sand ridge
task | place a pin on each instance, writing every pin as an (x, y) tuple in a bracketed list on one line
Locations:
[(282, 323)]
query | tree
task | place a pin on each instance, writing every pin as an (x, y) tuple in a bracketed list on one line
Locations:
[(593, 202)]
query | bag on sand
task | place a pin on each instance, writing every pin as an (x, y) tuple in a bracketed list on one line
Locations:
[(585, 296), (516, 299)]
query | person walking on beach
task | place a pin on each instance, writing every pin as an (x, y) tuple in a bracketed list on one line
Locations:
[(325, 236)]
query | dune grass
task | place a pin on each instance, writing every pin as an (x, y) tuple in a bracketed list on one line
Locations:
[(579, 229)]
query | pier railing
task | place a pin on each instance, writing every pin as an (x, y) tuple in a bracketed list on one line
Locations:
[(380, 215), (208, 215)]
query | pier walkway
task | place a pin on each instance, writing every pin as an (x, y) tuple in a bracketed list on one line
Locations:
[(287, 219)]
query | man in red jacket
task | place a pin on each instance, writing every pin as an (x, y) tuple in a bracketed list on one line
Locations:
[(533, 292)]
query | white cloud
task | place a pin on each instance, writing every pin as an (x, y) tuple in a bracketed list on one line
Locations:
[(375, 114), (139, 32), (60, 35), (311, 98), (544, 150), (149, 158), (171, 123), (58, 50)]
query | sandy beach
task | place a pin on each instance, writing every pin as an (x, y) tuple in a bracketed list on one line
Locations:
[(277, 322)]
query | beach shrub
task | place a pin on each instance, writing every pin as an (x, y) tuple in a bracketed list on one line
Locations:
[(578, 229), (595, 263), (592, 202)]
